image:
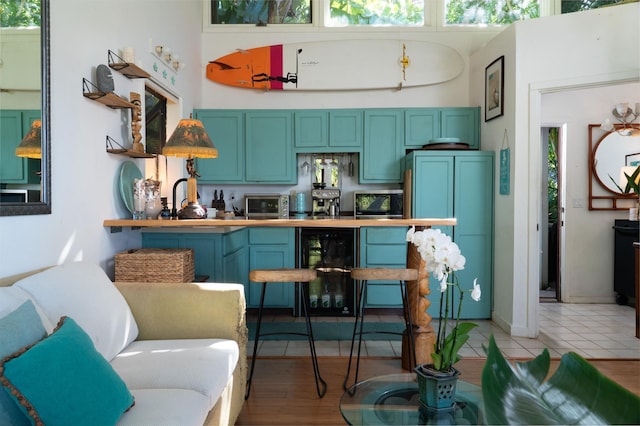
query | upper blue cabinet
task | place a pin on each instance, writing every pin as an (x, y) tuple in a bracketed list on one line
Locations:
[(260, 146), (226, 130), (269, 156), (328, 130), (425, 124)]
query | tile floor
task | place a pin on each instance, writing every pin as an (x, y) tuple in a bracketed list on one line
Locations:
[(593, 331)]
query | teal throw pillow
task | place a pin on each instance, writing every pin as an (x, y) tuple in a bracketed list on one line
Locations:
[(21, 327), (63, 380)]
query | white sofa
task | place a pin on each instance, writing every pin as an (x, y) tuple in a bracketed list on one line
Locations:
[(179, 348)]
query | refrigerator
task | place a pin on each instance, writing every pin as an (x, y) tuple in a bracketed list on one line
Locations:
[(331, 252)]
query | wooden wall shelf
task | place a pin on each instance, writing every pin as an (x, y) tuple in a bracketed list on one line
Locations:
[(89, 90), (121, 150), (127, 69)]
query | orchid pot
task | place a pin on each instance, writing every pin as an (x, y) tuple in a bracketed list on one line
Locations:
[(436, 389)]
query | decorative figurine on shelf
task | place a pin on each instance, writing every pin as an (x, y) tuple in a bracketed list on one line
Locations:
[(136, 120)]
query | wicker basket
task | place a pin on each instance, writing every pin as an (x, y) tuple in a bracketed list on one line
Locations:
[(155, 265)]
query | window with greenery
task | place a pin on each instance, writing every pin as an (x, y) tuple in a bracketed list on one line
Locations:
[(375, 12), (261, 12), (19, 13), (489, 12), (568, 6)]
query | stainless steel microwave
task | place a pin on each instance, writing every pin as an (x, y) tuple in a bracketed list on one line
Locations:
[(266, 205), (378, 204), (19, 195)]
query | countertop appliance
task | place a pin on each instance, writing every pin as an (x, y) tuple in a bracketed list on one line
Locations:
[(378, 204), (326, 202), (626, 233), (19, 195), (330, 251), (264, 206)]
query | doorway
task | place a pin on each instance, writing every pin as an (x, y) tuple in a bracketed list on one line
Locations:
[(552, 212)]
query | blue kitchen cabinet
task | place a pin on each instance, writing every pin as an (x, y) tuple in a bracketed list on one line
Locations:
[(226, 130), (462, 123), (14, 125), (383, 150), (207, 249), (311, 129), (345, 130), (269, 156), (421, 125), (328, 130), (271, 248), (459, 184), (236, 258), (425, 124), (384, 247)]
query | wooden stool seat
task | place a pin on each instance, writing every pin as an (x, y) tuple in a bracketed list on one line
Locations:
[(282, 275), (285, 275), (363, 276), (372, 274)]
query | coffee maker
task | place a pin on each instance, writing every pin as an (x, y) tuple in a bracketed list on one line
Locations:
[(326, 202)]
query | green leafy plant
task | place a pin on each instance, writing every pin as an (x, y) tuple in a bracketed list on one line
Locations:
[(442, 258), (633, 182), (576, 393)]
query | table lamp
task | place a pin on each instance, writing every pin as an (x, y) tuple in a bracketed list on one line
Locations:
[(31, 144), (190, 140)]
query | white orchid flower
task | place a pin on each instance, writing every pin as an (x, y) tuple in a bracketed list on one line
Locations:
[(443, 283), (476, 293)]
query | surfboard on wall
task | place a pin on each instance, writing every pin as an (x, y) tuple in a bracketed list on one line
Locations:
[(338, 65)]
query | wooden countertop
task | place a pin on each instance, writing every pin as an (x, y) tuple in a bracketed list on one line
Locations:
[(311, 222)]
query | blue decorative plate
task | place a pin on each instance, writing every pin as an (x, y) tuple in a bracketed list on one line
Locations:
[(128, 172)]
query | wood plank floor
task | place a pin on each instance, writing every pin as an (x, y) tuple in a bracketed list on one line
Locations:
[(283, 390)]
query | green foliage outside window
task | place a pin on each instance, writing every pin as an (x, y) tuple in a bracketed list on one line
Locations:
[(568, 6), (552, 181), (19, 13), (490, 12), (260, 12), (376, 12)]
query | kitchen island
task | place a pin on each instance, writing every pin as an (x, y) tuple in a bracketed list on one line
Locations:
[(307, 222), (418, 290)]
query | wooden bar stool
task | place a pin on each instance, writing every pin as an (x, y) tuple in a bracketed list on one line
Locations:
[(298, 276), (363, 276)]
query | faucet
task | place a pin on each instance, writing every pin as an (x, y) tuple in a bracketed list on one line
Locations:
[(174, 210)]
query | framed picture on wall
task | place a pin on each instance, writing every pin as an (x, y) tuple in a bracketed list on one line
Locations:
[(494, 89)]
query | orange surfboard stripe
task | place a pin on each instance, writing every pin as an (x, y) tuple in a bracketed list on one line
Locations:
[(249, 68)]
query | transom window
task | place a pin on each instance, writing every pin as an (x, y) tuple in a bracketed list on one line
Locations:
[(389, 13)]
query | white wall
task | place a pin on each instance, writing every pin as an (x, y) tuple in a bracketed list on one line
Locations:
[(553, 53), (84, 176)]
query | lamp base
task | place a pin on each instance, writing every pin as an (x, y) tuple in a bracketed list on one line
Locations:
[(192, 211)]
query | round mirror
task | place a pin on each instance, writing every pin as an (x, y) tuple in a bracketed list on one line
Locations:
[(611, 153)]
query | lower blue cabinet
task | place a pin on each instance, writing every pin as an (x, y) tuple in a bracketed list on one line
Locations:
[(272, 248), (383, 248)]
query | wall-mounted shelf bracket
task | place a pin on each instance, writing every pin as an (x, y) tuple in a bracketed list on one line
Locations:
[(114, 147), (127, 69), (113, 101)]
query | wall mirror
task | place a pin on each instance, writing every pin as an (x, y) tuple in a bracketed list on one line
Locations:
[(21, 102), (609, 152)]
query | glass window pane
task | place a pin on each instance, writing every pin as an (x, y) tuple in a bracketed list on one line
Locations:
[(19, 13), (260, 12), (568, 6), (492, 12), (375, 12)]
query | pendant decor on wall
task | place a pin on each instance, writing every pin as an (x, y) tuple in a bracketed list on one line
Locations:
[(338, 65), (504, 165)]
